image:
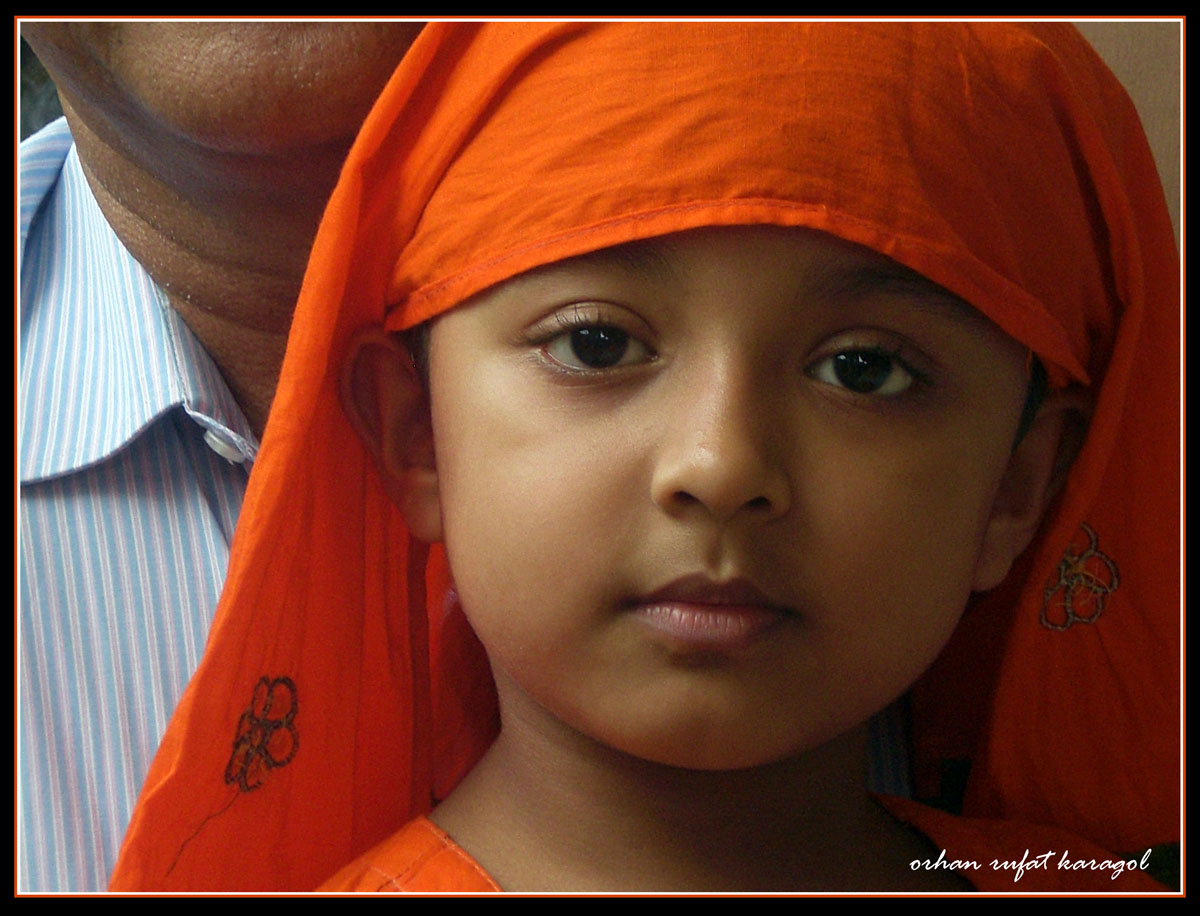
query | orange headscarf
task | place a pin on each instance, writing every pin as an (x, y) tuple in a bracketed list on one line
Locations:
[(338, 697)]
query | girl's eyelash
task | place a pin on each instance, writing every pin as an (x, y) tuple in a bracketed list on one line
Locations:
[(592, 315), (873, 371), (575, 319), (589, 340), (571, 318), (897, 354)]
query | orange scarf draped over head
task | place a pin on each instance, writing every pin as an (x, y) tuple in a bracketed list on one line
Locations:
[(340, 694)]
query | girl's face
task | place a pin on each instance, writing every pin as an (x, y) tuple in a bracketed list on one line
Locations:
[(715, 498)]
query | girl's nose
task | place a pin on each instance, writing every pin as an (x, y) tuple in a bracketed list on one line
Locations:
[(721, 452)]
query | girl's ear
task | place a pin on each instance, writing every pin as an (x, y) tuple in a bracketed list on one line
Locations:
[(389, 409), (1037, 472)]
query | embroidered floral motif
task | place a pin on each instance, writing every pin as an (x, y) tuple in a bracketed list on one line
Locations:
[(266, 735), (1079, 588)]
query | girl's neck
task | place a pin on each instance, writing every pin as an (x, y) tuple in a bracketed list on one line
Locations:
[(550, 809)]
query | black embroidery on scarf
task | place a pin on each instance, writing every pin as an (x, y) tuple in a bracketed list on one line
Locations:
[(1079, 588), (266, 736)]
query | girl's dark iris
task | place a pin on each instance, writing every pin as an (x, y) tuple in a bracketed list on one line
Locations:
[(599, 347), (862, 370)]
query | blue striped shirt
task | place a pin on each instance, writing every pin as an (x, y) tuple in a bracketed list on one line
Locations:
[(126, 515)]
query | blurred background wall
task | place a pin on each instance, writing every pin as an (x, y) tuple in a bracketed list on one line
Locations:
[(1145, 56)]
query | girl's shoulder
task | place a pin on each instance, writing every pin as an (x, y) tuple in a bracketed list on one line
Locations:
[(421, 858)]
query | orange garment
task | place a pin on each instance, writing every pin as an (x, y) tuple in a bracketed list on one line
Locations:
[(998, 856), (338, 698), (418, 859)]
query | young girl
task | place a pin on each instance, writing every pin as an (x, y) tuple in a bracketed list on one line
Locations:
[(718, 451)]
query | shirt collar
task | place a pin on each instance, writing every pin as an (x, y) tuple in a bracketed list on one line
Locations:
[(103, 355)]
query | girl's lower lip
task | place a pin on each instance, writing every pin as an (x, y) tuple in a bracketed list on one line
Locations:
[(708, 627)]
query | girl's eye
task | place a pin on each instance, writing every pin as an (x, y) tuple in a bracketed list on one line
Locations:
[(864, 372), (596, 346)]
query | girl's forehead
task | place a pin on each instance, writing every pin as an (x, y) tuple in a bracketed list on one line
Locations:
[(816, 264)]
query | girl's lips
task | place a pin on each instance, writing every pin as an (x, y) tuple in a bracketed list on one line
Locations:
[(708, 627), (696, 614)]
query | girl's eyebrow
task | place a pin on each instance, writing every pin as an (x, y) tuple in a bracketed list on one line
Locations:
[(891, 279), (653, 260), (648, 258)]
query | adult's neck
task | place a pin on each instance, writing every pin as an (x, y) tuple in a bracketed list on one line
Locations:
[(225, 234)]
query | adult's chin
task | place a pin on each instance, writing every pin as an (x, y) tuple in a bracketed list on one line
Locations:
[(236, 87)]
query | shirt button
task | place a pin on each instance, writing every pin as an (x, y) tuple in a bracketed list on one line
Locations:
[(223, 447)]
